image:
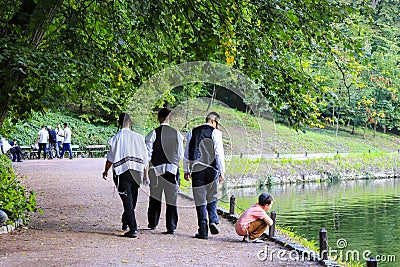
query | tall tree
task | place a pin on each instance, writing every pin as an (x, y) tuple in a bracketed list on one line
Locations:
[(94, 54)]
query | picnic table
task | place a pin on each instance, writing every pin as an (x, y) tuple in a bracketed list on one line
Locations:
[(96, 149)]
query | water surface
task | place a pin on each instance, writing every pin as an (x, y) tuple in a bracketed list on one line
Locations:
[(360, 216)]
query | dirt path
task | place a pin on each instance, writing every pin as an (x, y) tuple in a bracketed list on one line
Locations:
[(81, 227)]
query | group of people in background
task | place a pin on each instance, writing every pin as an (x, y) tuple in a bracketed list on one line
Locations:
[(154, 160), (47, 141), (57, 139)]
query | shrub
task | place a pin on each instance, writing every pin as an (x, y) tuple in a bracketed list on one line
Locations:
[(13, 197)]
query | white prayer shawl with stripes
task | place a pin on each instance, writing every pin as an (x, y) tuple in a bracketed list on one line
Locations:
[(127, 151)]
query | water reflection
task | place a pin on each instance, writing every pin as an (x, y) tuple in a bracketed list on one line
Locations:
[(365, 213)]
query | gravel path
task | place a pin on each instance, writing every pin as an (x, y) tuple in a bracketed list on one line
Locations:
[(81, 227)]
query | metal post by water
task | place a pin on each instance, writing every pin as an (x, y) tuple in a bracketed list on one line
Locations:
[(272, 227), (232, 204), (372, 262), (323, 244)]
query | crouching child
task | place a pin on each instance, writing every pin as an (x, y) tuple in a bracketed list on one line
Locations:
[(254, 221)]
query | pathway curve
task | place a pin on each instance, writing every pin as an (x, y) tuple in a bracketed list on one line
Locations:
[(81, 227)]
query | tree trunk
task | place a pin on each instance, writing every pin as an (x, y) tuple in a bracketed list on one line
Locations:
[(337, 125), (365, 130), (212, 99), (4, 111)]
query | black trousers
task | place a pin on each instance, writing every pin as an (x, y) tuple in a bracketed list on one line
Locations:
[(16, 153), (169, 184), (42, 146), (128, 189)]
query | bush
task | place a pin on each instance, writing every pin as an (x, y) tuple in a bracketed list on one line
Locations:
[(13, 197)]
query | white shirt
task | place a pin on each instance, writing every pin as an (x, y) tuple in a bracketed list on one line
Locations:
[(43, 136), (67, 135), (5, 145), (218, 150), (60, 134), (127, 151), (166, 167)]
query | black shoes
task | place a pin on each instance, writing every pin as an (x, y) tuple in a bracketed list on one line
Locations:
[(151, 227), (199, 236), (124, 226), (213, 229), (131, 234), (169, 232)]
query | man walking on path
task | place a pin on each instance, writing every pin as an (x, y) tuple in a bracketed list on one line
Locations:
[(67, 141), (165, 150), (43, 136), (128, 157), (204, 162)]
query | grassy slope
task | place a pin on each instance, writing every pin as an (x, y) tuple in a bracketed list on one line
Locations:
[(282, 139), (242, 133)]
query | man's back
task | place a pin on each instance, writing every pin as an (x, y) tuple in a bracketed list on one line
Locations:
[(43, 136), (201, 145), (165, 146), (52, 136)]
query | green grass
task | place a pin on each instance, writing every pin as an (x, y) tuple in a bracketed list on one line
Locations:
[(247, 134), (243, 133)]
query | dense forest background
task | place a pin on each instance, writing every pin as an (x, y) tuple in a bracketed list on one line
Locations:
[(317, 63)]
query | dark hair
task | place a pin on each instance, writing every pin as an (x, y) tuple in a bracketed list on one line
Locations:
[(123, 119), (163, 113), (65, 124), (264, 199), (213, 116)]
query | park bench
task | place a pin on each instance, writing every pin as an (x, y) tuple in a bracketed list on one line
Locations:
[(96, 149), (27, 152), (76, 152)]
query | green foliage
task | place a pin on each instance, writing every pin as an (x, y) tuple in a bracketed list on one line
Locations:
[(93, 55), (83, 133), (13, 196)]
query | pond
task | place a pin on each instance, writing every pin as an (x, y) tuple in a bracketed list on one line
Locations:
[(361, 217)]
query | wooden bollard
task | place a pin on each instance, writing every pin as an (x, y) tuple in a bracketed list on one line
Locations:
[(372, 262), (232, 204), (306, 154), (323, 244), (272, 227)]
